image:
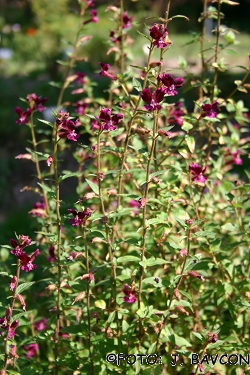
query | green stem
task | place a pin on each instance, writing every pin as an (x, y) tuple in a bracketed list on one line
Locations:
[(10, 316), (216, 50), (88, 299), (58, 221)]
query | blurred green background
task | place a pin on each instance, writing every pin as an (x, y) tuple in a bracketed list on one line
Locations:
[(36, 33)]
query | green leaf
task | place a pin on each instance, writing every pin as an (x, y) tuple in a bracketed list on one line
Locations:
[(228, 227), (137, 85), (145, 36), (152, 262), (101, 304), (198, 335), (70, 174), (182, 62), (46, 188), (93, 186), (24, 286), (179, 341), (128, 258), (190, 143), (46, 122)]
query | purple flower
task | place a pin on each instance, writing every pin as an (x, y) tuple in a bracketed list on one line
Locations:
[(170, 83), (41, 324), (79, 217), (94, 18), (52, 257), (113, 38), (153, 99), (13, 283), (23, 116), (129, 294), (108, 121), (94, 125), (27, 261), (105, 71), (36, 103), (159, 33), (67, 126), (81, 106), (80, 77), (49, 161), (127, 20), (39, 208), (197, 172), (210, 110), (176, 115), (30, 350), (235, 158)]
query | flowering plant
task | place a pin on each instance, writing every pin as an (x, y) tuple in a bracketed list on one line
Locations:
[(152, 255)]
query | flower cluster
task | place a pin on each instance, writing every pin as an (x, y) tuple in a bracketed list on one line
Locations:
[(26, 261), (108, 121), (41, 324), (67, 126), (170, 83), (105, 71), (35, 104), (175, 114), (198, 173), (210, 110), (153, 99), (79, 217), (30, 350), (94, 18), (80, 107), (127, 21), (160, 35), (6, 326), (129, 294), (39, 208)]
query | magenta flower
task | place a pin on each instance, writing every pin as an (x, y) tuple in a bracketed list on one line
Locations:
[(127, 20), (13, 283), (79, 217), (210, 110), (80, 77), (105, 71), (26, 261), (159, 34), (113, 38), (235, 158), (129, 294), (80, 107), (153, 99), (94, 125), (36, 103), (176, 115), (49, 161), (94, 18), (108, 121), (67, 126), (12, 330), (23, 115), (39, 208), (52, 257), (183, 252), (30, 350), (170, 83), (197, 172), (41, 324), (18, 247)]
